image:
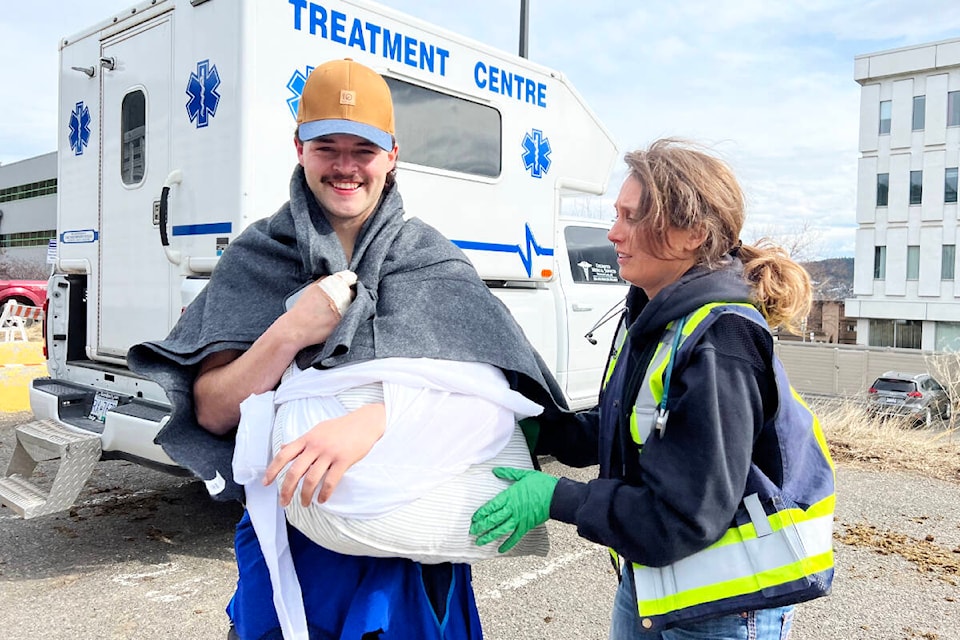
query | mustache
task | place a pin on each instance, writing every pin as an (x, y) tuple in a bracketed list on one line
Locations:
[(341, 177)]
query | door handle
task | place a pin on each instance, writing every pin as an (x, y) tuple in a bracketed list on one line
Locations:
[(175, 177), (582, 307)]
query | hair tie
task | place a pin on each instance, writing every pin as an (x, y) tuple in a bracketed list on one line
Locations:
[(735, 251)]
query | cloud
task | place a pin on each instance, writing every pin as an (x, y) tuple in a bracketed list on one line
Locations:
[(768, 84)]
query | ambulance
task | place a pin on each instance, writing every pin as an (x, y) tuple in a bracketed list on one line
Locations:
[(176, 126)]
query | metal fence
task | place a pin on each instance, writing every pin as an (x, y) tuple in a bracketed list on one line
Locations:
[(848, 370)]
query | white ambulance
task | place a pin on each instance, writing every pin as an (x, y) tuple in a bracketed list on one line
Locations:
[(176, 132)]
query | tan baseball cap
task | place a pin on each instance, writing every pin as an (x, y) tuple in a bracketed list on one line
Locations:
[(343, 96)]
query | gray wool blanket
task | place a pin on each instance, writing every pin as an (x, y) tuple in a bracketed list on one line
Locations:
[(417, 296)]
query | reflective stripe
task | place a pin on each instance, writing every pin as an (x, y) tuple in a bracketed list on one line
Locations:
[(644, 414), (817, 430), (757, 515), (618, 341), (778, 521), (748, 566), (768, 551)]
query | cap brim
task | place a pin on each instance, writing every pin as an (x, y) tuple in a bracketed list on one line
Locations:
[(318, 128)]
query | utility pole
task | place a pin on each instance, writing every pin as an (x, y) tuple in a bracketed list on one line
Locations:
[(524, 26)]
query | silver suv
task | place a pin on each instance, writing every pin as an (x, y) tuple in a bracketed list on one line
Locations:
[(916, 396)]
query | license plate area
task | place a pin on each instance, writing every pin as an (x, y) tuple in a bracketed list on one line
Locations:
[(102, 403)]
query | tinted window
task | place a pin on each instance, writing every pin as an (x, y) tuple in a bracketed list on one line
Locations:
[(445, 132), (879, 263), (948, 257), (950, 185), (885, 111), (883, 188), (913, 263), (889, 384), (133, 137), (916, 187), (919, 112), (592, 256)]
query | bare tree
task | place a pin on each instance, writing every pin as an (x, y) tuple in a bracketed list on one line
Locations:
[(801, 241)]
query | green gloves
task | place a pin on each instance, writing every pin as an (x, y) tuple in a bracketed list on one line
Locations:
[(515, 510)]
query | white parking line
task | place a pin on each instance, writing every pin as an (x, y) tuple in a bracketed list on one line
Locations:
[(524, 579)]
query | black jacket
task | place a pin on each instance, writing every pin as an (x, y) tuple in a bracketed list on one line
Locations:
[(679, 494)]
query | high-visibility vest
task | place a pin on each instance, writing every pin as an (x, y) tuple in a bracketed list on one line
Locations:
[(779, 549)]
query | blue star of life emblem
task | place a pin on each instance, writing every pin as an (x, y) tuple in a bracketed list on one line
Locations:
[(79, 125), (536, 153), (202, 89), (295, 85)]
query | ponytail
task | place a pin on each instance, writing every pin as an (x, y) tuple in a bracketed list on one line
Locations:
[(781, 287)]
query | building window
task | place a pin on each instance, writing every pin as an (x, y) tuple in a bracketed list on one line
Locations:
[(953, 109), (133, 137), (446, 132), (27, 239), (919, 112), (29, 190), (879, 263), (885, 110), (948, 336), (916, 187), (904, 334), (948, 258), (883, 188), (950, 185), (913, 263)]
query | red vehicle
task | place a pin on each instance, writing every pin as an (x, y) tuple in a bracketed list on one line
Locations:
[(31, 292)]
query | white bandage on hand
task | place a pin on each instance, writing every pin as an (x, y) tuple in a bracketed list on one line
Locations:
[(338, 289)]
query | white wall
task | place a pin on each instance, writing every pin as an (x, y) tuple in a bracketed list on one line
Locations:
[(930, 70)]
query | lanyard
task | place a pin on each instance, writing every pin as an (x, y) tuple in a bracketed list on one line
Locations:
[(662, 412)]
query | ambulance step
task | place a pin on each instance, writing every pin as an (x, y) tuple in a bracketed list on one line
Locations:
[(42, 440)]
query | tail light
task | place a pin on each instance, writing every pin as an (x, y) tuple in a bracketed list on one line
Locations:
[(43, 325), (872, 390), (914, 394)]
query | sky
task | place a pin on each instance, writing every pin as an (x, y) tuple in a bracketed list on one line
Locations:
[(766, 84)]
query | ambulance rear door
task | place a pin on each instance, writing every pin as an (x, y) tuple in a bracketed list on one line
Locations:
[(132, 291)]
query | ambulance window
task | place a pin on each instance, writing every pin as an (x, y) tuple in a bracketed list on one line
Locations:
[(133, 136), (592, 257), (445, 132)]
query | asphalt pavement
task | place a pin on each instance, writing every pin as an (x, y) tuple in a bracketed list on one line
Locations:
[(147, 555)]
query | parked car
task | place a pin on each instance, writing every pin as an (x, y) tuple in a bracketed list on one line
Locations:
[(915, 396), (29, 292)]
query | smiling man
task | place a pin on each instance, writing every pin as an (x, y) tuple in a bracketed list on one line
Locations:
[(345, 143), (260, 313)]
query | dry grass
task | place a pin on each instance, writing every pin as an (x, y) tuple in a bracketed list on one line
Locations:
[(35, 331), (926, 555), (857, 439)]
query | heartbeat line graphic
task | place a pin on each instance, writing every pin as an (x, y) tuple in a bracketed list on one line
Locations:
[(526, 254)]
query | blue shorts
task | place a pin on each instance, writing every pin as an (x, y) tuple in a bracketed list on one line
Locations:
[(349, 596)]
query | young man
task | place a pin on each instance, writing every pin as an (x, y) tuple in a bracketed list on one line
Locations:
[(344, 213)]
